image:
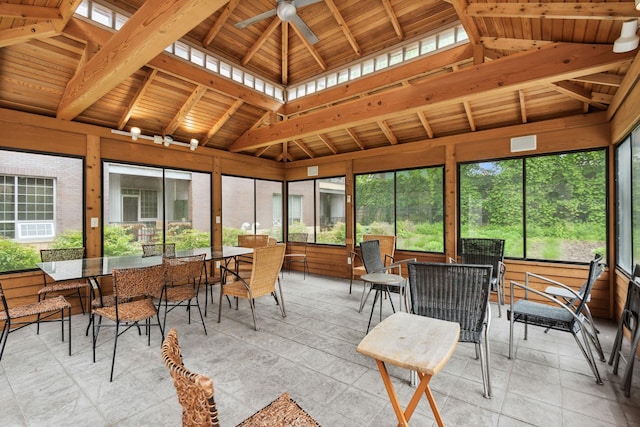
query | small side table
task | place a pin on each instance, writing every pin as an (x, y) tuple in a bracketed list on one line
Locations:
[(413, 342), (382, 282)]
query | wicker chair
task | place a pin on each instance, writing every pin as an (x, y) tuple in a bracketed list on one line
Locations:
[(183, 277), (134, 290), (167, 250), (66, 288), (387, 250), (48, 307), (267, 262), (629, 320), (297, 252), (196, 396), (556, 314), (487, 252), (243, 262), (457, 293)]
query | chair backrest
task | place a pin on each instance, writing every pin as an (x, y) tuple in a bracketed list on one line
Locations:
[(631, 312), (188, 269), (158, 249), (138, 282), (370, 250), (267, 262), (387, 245), (453, 292), (63, 254), (298, 242), (482, 252), (253, 240), (195, 391), (596, 267), (5, 306)]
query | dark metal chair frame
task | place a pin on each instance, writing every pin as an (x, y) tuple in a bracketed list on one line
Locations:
[(483, 251)]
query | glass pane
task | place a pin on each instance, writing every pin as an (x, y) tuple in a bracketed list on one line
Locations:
[(133, 207), (44, 209), (635, 193), (300, 203), (419, 209), (330, 211), (238, 209), (187, 198), (624, 206), (374, 204), (491, 203), (566, 214), (269, 208)]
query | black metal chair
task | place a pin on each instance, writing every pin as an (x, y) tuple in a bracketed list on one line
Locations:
[(457, 293), (297, 252), (557, 314), (630, 320), (183, 276), (487, 252), (66, 288)]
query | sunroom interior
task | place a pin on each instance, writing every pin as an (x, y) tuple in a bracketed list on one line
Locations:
[(128, 122)]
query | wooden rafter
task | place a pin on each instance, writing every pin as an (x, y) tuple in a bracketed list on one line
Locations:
[(344, 27), (467, 22), (523, 106), (394, 19), (304, 148), (582, 10), (502, 43), (425, 123), (136, 98), (557, 62), (469, 113), (312, 50), (224, 119), (384, 127), (186, 108), (13, 36), (284, 56), (355, 138), (222, 19), (604, 79), (328, 143), (146, 34), (23, 11), (261, 40), (577, 92)]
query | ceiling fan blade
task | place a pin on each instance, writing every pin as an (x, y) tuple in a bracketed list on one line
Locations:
[(253, 20), (303, 3), (305, 30)]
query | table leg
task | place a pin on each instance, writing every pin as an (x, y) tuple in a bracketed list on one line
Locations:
[(423, 387)]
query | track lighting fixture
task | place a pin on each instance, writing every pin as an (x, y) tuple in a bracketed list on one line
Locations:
[(166, 140)]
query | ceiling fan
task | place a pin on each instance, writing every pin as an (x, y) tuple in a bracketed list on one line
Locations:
[(286, 10)]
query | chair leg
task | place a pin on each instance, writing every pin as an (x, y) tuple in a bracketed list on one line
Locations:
[(252, 305), (6, 329), (282, 309), (628, 370), (375, 298), (614, 359), (586, 352), (201, 317), (113, 359), (364, 299), (487, 366)]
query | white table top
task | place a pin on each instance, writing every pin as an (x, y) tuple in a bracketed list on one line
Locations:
[(413, 342)]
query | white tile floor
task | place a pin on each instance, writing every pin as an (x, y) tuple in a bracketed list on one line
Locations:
[(311, 355)]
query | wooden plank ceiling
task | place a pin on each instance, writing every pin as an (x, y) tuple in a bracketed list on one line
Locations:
[(524, 62)]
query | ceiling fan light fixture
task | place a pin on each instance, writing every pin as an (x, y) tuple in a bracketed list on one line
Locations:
[(285, 11), (628, 39)]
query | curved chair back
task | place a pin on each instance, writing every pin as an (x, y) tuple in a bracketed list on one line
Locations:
[(158, 249), (62, 254), (184, 270), (483, 252), (596, 267), (267, 262), (387, 246), (253, 240), (195, 391), (136, 282), (371, 258)]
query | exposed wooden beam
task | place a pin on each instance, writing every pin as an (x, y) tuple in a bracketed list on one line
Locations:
[(23, 11), (67, 9), (285, 150), (13, 36), (384, 127), (604, 98), (304, 148), (312, 50), (581, 10), (169, 64), (222, 19), (393, 18), (355, 138), (343, 26), (224, 119), (577, 92), (136, 98), (193, 99), (262, 150), (467, 22), (503, 43), (261, 40), (605, 79), (557, 62), (146, 34), (425, 123), (469, 113), (628, 82), (523, 106), (284, 56), (328, 143)]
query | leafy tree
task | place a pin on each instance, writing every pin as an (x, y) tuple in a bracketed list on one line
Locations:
[(16, 256)]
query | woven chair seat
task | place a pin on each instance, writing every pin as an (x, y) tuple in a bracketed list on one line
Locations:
[(284, 411), (62, 286), (180, 293), (45, 306), (544, 315), (236, 289), (134, 311)]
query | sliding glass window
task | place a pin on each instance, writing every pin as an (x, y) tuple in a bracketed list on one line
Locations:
[(41, 206), (408, 204), (250, 206), (317, 207), (144, 204), (627, 207), (551, 207)]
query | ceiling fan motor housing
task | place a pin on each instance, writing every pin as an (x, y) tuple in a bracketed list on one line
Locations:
[(286, 10)]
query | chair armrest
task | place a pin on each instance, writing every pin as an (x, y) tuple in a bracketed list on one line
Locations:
[(452, 260), (387, 257), (238, 278), (565, 290), (398, 264), (541, 294)]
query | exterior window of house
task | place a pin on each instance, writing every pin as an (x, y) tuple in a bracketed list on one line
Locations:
[(408, 204), (250, 206), (627, 196), (317, 207), (550, 207), (144, 204), (41, 206)]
